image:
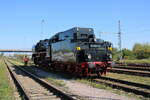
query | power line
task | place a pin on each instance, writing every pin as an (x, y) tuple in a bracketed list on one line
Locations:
[(137, 31)]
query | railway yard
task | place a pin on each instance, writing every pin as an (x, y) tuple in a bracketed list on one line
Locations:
[(72, 65), (74, 50), (33, 83)]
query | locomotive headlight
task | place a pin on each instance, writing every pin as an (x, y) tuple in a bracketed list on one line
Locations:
[(89, 56), (78, 48), (109, 48)]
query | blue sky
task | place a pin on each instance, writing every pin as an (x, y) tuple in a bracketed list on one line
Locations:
[(20, 20)]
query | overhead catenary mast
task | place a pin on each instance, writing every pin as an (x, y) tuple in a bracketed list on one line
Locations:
[(119, 41), (42, 28)]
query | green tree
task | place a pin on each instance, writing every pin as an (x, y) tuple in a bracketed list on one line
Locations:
[(115, 53), (127, 54), (141, 51)]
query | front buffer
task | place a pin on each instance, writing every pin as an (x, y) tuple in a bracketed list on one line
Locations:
[(92, 68)]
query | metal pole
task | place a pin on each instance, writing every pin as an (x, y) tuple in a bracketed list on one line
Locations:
[(42, 27), (119, 40)]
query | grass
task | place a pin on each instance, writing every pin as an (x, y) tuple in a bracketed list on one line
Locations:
[(117, 91), (56, 82), (131, 78), (6, 91), (18, 62), (141, 61), (89, 82)]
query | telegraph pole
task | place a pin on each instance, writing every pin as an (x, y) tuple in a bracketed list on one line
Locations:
[(119, 41), (42, 27)]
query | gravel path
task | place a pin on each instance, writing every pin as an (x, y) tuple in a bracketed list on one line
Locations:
[(84, 90), (93, 93)]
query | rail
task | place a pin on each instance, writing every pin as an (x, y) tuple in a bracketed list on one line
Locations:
[(62, 95)]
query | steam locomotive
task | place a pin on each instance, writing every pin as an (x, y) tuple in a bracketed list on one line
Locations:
[(75, 51)]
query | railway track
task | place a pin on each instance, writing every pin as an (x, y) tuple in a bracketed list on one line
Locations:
[(130, 72), (133, 64), (137, 88), (31, 87), (132, 87), (143, 67), (133, 68)]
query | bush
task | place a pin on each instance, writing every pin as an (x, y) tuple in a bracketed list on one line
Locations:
[(127, 54), (141, 51)]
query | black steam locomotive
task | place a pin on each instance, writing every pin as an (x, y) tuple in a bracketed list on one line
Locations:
[(76, 51)]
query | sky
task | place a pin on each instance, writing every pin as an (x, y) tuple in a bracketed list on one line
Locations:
[(20, 20)]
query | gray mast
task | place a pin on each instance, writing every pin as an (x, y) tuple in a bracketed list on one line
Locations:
[(119, 41)]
